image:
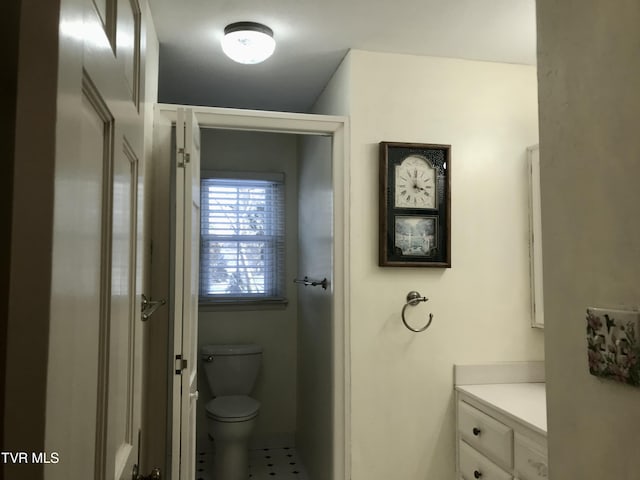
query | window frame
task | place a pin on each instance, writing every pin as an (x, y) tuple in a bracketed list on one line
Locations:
[(248, 301)]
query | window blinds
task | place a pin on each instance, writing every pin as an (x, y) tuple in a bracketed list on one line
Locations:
[(242, 239)]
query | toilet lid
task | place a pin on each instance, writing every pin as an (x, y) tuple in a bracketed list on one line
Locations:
[(233, 408)]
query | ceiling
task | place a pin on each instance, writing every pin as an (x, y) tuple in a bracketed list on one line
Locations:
[(313, 36)]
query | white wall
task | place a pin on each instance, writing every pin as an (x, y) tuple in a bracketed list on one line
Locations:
[(335, 99), (402, 383), (315, 307), (274, 329), (589, 150)]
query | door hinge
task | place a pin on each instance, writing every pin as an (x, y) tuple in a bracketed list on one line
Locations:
[(186, 157), (181, 364)]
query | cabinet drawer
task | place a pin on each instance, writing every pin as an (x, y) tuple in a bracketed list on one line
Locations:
[(486, 434), (530, 459), (474, 465)]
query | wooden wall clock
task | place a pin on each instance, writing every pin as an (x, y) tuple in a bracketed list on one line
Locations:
[(415, 205)]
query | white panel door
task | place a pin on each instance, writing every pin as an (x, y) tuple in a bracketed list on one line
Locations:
[(186, 273), (94, 372)]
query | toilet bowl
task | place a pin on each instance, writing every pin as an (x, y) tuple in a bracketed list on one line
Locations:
[(230, 421), (231, 372)]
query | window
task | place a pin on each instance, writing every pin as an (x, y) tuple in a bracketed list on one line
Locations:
[(242, 239)]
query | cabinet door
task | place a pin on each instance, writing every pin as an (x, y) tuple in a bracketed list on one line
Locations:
[(530, 459), (474, 465), (486, 434)]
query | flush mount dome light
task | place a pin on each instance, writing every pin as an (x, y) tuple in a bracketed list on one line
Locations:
[(248, 42)]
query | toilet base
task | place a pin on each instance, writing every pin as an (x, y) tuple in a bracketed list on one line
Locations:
[(231, 462), (231, 441)]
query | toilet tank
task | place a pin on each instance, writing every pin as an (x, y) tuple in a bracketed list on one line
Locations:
[(231, 369)]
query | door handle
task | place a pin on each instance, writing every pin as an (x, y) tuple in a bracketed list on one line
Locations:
[(154, 475)]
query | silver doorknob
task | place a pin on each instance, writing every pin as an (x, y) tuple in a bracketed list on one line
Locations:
[(154, 475)]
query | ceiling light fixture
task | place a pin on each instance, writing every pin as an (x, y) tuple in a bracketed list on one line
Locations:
[(248, 42)]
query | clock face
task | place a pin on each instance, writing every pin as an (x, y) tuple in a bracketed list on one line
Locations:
[(415, 183)]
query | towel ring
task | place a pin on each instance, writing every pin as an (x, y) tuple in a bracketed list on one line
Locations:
[(413, 299)]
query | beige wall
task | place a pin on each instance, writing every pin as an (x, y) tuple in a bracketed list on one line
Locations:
[(275, 329), (589, 150), (402, 392)]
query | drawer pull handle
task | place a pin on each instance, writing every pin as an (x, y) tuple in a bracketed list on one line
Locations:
[(477, 474), (476, 432)]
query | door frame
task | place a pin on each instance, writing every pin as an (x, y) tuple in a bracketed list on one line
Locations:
[(336, 127)]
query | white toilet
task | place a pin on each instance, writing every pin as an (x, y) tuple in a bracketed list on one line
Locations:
[(231, 372)]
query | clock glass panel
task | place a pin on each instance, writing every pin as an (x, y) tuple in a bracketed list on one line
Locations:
[(415, 183)]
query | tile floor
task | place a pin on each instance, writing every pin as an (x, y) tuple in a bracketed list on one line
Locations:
[(264, 464)]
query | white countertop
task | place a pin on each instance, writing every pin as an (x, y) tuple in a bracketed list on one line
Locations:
[(522, 402)]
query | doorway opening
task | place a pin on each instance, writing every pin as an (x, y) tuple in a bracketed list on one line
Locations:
[(320, 316)]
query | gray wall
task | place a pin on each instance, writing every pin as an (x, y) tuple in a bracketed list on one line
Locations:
[(589, 73), (274, 329), (315, 305)]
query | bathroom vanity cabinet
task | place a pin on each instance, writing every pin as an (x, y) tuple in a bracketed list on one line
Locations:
[(501, 431)]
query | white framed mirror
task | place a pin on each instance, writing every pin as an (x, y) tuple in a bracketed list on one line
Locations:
[(535, 238)]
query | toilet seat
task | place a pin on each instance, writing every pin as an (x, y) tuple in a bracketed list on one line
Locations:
[(232, 408)]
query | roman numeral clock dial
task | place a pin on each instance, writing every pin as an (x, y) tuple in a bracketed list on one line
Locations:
[(415, 184)]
